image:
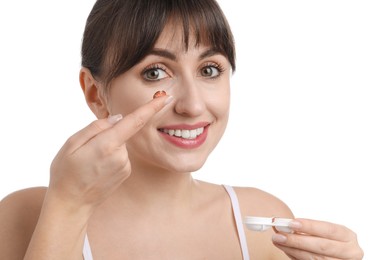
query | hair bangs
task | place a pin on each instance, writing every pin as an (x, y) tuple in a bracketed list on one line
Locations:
[(119, 34), (205, 22)]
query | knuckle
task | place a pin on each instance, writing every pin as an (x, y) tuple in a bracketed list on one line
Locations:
[(294, 241), (325, 248), (98, 125), (332, 229), (122, 162), (105, 149), (123, 171), (357, 253), (127, 170), (354, 236)]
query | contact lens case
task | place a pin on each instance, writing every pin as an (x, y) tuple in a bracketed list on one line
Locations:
[(264, 223)]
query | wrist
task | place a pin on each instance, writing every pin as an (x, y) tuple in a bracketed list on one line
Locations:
[(63, 207)]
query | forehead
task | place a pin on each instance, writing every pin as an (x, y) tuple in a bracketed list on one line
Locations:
[(174, 37)]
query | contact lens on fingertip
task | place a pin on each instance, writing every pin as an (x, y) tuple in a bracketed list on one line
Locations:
[(159, 93)]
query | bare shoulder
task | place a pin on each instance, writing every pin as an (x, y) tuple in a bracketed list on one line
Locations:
[(26, 200), (19, 212), (256, 202)]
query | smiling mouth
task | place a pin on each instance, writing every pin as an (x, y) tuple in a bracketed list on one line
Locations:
[(183, 133)]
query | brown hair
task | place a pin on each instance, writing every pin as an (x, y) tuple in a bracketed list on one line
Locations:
[(120, 33)]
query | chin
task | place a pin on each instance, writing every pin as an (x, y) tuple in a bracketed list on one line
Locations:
[(184, 166), (188, 168)]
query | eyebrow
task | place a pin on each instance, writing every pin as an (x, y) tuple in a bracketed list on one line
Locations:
[(169, 55), (163, 53), (209, 53)]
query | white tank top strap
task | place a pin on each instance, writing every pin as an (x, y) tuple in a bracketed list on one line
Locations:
[(238, 221), (87, 254)]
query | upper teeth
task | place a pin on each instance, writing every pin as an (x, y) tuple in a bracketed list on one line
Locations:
[(186, 134)]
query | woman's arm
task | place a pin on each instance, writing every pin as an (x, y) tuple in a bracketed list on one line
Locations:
[(90, 166), (32, 227), (60, 231)]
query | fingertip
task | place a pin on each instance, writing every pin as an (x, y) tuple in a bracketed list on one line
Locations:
[(168, 100), (279, 238), (113, 119), (161, 102)]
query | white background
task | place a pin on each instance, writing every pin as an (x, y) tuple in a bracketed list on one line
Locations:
[(305, 111)]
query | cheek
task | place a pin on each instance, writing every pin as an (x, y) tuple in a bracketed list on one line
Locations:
[(125, 99), (220, 102)]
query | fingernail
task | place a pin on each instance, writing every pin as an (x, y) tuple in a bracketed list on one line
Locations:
[(168, 100), (295, 224), (279, 238), (114, 119)]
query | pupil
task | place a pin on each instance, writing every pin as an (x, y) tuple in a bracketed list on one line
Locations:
[(154, 74), (207, 71)]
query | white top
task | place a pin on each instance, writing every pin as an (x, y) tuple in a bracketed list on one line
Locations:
[(87, 255)]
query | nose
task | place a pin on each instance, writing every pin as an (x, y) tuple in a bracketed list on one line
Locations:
[(189, 98)]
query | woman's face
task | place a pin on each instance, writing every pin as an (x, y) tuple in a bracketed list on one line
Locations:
[(181, 136)]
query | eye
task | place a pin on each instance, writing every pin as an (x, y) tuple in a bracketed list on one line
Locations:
[(155, 73), (211, 70)]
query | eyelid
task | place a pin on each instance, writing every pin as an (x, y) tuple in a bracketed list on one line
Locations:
[(154, 66), (215, 64)]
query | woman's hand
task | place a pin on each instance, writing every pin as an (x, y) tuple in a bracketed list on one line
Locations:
[(314, 239), (94, 162)]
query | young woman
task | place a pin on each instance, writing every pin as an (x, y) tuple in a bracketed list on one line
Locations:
[(121, 188)]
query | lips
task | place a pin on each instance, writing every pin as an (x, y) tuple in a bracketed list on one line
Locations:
[(186, 136), (184, 133)]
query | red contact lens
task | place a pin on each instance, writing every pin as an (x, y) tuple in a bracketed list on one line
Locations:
[(159, 93)]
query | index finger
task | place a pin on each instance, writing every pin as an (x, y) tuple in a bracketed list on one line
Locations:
[(323, 229), (133, 122)]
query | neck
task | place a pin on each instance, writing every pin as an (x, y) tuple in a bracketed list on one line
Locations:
[(154, 187)]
